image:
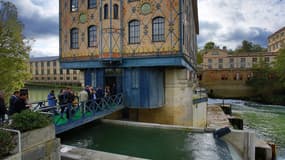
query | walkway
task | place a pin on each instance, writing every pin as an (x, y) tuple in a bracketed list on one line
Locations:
[(81, 113)]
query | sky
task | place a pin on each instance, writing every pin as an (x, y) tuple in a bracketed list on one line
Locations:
[(225, 22)]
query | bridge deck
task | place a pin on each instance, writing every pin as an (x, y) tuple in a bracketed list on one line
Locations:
[(63, 124), (81, 113)]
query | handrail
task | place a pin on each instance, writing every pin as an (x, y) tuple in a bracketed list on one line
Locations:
[(19, 139), (91, 106)]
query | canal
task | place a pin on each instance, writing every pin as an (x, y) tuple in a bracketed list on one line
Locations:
[(150, 143), (268, 121)]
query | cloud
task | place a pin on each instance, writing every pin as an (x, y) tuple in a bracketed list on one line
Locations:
[(40, 17), (226, 23), (47, 46), (239, 20)]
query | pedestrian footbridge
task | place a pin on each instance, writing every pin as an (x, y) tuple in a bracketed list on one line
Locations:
[(69, 116)]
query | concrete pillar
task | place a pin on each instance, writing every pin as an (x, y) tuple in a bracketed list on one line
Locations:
[(178, 96)]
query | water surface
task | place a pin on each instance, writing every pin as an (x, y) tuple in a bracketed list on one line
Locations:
[(151, 143)]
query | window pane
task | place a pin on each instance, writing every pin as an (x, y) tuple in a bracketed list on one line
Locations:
[(74, 5), (92, 3), (92, 36), (134, 32), (74, 38), (106, 11), (116, 11), (158, 29)]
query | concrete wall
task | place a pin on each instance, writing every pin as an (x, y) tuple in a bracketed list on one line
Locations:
[(229, 89), (199, 115), (244, 142), (40, 144)]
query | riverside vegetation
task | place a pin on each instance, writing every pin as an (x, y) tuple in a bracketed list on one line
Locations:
[(269, 82), (25, 121)]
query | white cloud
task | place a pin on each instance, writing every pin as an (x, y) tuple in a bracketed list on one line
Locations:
[(34, 8), (240, 15), (45, 47)]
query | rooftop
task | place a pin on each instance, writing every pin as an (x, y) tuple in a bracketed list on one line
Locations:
[(40, 59)]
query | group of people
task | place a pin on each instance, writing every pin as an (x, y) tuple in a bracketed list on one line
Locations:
[(89, 93), (67, 98), (17, 103)]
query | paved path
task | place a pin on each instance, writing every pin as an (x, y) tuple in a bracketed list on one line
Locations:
[(216, 117)]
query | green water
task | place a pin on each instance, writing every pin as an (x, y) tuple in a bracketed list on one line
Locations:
[(37, 93), (157, 144), (268, 121)]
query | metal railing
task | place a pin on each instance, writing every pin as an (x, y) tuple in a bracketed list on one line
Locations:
[(68, 111), (19, 140)]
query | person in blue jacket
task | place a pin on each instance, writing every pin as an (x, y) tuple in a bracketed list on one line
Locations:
[(51, 99)]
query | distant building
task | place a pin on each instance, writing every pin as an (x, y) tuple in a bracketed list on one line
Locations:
[(47, 70), (218, 59), (226, 74), (276, 40)]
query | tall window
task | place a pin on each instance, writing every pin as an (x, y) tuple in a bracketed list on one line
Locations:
[(116, 11), (242, 62), (158, 29), (134, 32), (92, 3), (106, 11), (74, 5), (92, 36), (74, 38)]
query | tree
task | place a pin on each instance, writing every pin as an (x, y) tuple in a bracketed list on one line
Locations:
[(14, 50), (279, 66), (199, 58), (247, 46), (209, 45)]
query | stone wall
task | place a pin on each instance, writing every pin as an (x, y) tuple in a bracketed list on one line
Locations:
[(39, 144)]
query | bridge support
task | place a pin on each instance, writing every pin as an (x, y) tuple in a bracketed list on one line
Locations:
[(178, 109)]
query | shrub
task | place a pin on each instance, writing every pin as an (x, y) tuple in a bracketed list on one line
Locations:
[(6, 142), (28, 120)]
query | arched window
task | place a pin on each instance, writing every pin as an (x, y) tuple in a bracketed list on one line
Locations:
[(74, 38), (116, 11), (158, 29), (73, 5), (92, 36), (106, 11), (134, 32), (92, 3)]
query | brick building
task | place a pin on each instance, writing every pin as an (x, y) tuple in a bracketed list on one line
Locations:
[(276, 40), (47, 70), (146, 48)]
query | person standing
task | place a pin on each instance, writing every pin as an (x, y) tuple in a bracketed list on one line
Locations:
[(12, 101), (51, 99), (83, 99), (21, 103), (3, 109)]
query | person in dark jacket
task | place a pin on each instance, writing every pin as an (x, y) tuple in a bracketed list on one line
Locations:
[(21, 103), (13, 100), (2, 108)]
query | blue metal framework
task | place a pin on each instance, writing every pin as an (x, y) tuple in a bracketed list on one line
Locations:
[(82, 112)]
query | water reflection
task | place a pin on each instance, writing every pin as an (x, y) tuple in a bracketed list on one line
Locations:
[(157, 144)]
